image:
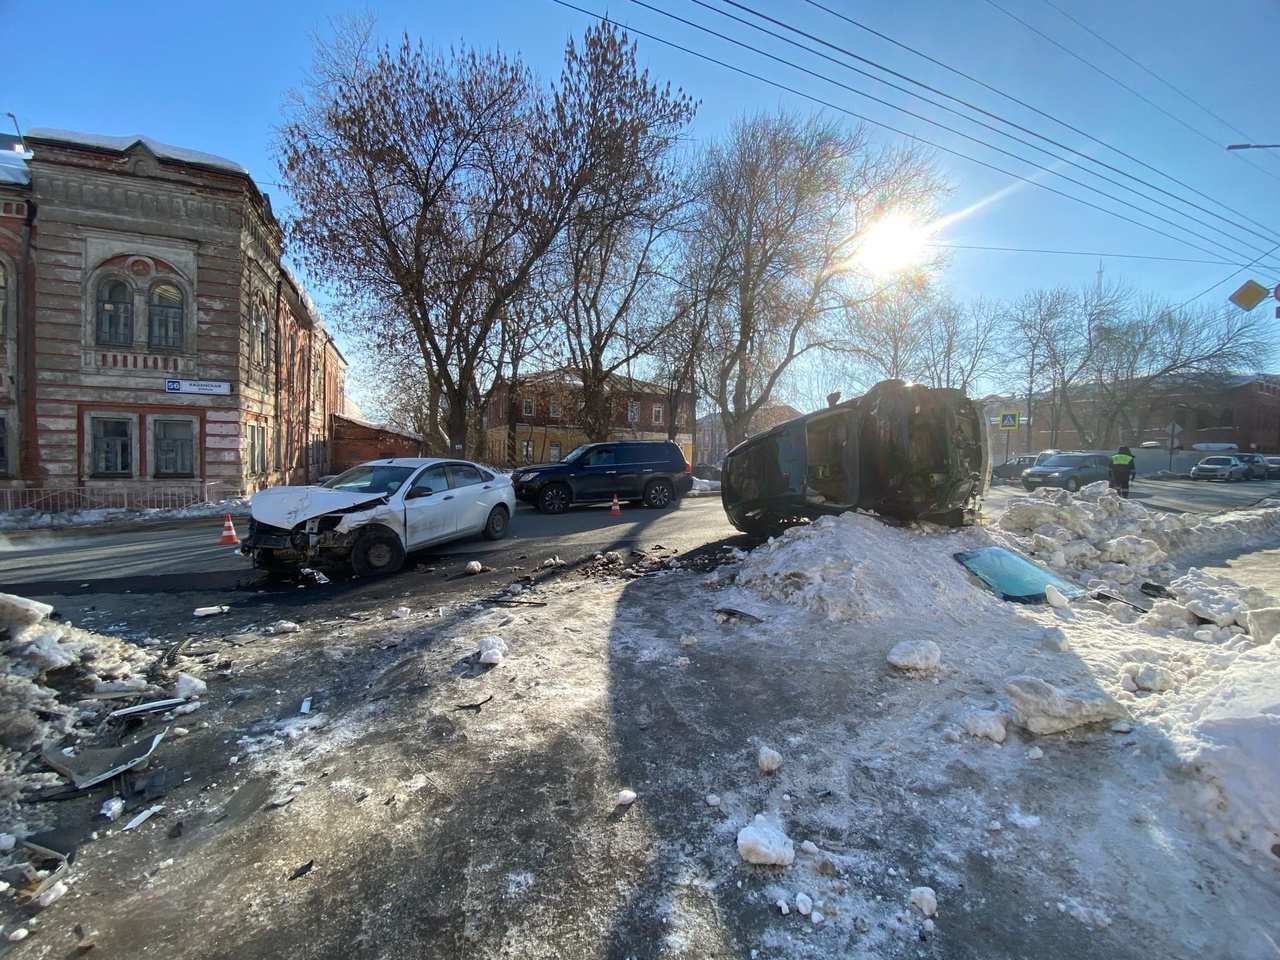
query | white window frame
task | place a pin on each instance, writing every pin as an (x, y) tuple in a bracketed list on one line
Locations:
[(153, 446), (86, 452), (657, 414), (526, 407), (553, 409)]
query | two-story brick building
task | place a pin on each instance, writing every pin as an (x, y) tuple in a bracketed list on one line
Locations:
[(547, 406), (152, 337)]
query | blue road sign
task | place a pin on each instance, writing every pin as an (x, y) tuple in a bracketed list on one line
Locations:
[(1009, 421)]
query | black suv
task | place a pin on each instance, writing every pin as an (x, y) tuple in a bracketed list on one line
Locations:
[(652, 472)]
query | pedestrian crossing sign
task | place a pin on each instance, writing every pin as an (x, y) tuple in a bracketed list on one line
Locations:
[(1009, 421)]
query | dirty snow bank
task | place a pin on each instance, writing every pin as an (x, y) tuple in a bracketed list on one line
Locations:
[(1201, 668), (29, 519)]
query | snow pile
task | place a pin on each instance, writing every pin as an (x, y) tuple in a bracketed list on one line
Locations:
[(763, 841), (853, 567), (1200, 671), (1119, 540), (32, 712), (30, 519)]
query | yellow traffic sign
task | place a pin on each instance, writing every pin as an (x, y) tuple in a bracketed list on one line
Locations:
[(1250, 294)]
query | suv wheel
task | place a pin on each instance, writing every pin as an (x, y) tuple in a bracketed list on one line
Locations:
[(659, 494), (376, 553), (1072, 484), (554, 498)]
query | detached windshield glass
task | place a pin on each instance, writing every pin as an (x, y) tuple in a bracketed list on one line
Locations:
[(1063, 461), (370, 479)]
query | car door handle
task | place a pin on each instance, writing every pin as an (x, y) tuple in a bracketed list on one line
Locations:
[(449, 497)]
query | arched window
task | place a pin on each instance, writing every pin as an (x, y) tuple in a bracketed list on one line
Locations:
[(1227, 418), (260, 341), (164, 317), (4, 300), (115, 313), (1204, 419)]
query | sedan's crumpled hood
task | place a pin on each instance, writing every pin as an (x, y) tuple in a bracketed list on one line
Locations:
[(288, 506)]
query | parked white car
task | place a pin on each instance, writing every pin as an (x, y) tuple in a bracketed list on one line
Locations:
[(1218, 468), (372, 515)]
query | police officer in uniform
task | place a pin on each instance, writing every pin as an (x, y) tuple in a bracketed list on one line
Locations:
[(1121, 471)]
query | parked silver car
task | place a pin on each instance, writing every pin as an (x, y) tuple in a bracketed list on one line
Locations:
[(1255, 465), (1218, 468)]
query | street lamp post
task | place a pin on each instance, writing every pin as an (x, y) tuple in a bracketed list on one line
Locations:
[(1253, 146)]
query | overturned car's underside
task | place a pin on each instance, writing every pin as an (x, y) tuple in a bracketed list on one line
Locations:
[(902, 450)]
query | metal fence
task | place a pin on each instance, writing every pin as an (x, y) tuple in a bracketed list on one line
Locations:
[(120, 496)]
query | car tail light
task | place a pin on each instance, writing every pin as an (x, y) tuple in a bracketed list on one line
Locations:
[(688, 466)]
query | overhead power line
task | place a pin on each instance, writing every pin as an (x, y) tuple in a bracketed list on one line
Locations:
[(1268, 238), (1034, 109), (1075, 253), (960, 133), (1120, 83)]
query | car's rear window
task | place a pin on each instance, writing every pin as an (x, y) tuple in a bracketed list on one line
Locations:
[(1063, 461)]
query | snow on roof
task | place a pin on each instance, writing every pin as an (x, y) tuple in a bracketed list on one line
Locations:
[(13, 167), (122, 144), (384, 427)]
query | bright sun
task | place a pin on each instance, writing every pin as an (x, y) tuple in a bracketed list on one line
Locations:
[(891, 245)]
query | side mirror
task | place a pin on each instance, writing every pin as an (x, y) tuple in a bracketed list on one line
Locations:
[(418, 492)]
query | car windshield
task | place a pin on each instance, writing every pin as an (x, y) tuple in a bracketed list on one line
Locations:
[(1216, 461), (574, 454), (1272, 460), (371, 478), (1063, 461)]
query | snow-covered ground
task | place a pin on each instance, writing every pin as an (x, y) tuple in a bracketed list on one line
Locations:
[(28, 519), (908, 751)]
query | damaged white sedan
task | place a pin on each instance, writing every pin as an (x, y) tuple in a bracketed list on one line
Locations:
[(372, 515)]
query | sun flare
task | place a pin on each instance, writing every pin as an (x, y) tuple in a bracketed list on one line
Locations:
[(891, 245)]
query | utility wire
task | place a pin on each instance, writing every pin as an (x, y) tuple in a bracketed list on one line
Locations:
[(960, 133), (885, 126), (1121, 83), (1268, 238), (1075, 253), (1033, 109), (1142, 66), (1212, 287)]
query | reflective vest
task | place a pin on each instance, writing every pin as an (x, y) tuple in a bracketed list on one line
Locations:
[(1121, 460)]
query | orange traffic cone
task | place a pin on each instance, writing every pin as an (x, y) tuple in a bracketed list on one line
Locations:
[(615, 510), (229, 538)]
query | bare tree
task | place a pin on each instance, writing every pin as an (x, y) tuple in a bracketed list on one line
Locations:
[(959, 347), (1030, 323), (439, 182), (781, 204)]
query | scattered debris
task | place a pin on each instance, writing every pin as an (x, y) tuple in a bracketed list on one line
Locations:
[(312, 576), (473, 567), (210, 611), (491, 650), (804, 904), (306, 705), (713, 800), (400, 613), (143, 817), (625, 798), (726, 614), (111, 809), (154, 706), (281, 627), (473, 706), (302, 871), (98, 764), (188, 687)]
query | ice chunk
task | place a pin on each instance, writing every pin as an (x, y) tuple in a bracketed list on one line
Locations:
[(985, 723), (625, 798), (916, 655), (804, 904), (1054, 596), (1263, 623), (763, 841), (713, 800), (768, 760), (1043, 708), (1154, 678), (925, 899), (189, 687), (282, 626), (473, 567)]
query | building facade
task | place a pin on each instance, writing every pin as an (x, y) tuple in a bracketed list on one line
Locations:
[(151, 335), (546, 416), (711, 443)]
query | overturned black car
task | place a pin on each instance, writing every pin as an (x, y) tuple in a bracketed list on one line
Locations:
[(903, 450)]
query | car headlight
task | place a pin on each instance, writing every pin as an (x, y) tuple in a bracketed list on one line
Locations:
[(1052, 476), (528, 476)]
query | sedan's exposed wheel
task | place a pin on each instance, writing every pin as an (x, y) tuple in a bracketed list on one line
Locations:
[(495, 527), (1072, 484), (554, 498), (376, 553), (659, 494)]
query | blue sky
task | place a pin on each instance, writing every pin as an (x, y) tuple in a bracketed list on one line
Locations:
[(212, 77)]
